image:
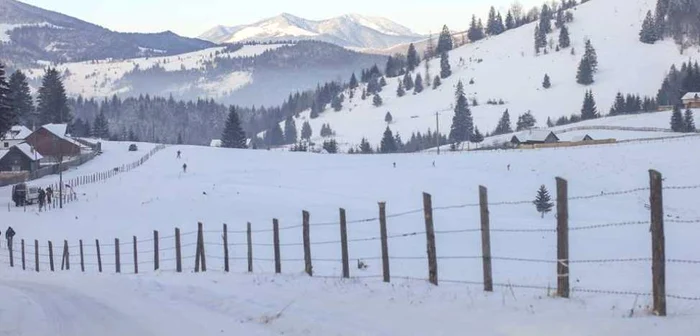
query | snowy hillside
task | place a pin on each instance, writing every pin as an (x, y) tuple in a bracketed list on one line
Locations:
[(351, 30), (505, 68), (262, 185)]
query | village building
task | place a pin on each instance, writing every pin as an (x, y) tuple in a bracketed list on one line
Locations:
[(20, 157), (691, 100), (52, 140), (15, 136), (582, 138), (534, 137)]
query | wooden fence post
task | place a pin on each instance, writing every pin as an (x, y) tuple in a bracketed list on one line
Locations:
[(136, 257), (430, 238), (117, 261), (344, 244), (24, 265), (562, 238), (307, 243), (66, 253), (10, 247), (36, 255), (250, 248), (82, 259), (51, 256), (156, 254), (99, 255), (200, 262), (658, 243), (178, 251), (276, 243), (385, 242), (225, 238), (486, 238)]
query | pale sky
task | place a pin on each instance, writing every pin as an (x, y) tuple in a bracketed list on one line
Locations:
[(193, 17)]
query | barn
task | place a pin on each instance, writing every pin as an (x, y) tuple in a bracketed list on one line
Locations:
[(52, 140), (20, 158), (582, 138), (691, 100), (534, 137)]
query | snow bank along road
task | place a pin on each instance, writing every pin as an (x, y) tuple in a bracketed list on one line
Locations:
[(236, 187)]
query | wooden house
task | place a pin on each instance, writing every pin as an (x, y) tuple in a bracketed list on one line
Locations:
[(20, 158), (691, 100), (52, 140), (534, 137)]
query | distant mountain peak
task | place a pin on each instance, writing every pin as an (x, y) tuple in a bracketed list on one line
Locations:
[(349, 30)]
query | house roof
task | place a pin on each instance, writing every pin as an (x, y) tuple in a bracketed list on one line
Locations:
[(17, 133), (691, 96), (534, 135), (58, 130), (580, 138), (216, 143), (26, 150)]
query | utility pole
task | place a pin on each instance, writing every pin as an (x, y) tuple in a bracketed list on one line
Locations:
[(437, 126)]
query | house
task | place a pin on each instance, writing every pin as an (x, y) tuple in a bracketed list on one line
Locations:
[(20, 157), (216, 143), (15, 136), (691, 100), (582, 138), (534, 137), (52, 140)]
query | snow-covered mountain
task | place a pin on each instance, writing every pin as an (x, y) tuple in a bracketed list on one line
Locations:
[(505, 67), (350, 30)]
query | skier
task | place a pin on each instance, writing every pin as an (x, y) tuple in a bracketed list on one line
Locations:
[(394, 164), (9, 234), (178, 154), (433, 163), (184, 168), (49, 194), (42, 199), (508, 167)]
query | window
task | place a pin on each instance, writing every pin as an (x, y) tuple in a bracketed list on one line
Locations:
[(7, 144)]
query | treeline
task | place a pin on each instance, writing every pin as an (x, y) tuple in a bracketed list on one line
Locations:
[(679, 82), (678, 19)]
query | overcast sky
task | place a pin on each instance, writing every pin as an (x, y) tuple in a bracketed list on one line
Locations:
[(193, 17)]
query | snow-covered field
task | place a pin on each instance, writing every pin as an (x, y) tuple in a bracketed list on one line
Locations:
[(236, 187), (505, 67)]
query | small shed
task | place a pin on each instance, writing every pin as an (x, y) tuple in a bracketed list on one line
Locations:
[(534, 137), (53, 140), (691, 100), (582, 138), (20, 157), (216, 143), (15, 136)]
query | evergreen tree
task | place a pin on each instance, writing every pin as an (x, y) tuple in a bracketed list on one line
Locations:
[(462, 128), (306, 131), (510, 21), (331, 146), (445, 43), (543, 202), (476, 31), (273, 137), (179, 137), (337, 103), (546, 83), (503, 126), (619, 106), (316, 109), (233, 135), (591, 55), (491, 28), (550, 124), (21, 98), (445, 69), (546, 20), (364, 94), (564, 38), (418, 84), (689, 122), (388, 118), (400, 92), (290, 130), (540, 39), (648, 34), (478, 137), (500, 26), (526, 121), (585, 72), (101, 126), (377, 100), (559, 20), (388, 144), (382, 82), (412, 58), (677, 121), (408, 82), (436, 82), (399, 143), (589, 109), (7, 116), (353, 82), (52, 104), (365, 147)]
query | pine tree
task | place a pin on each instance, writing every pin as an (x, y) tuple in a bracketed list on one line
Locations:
[(564, 38), (399, 143), (52, 104), (445, 43), (7, 116), (559, 20), (306, 131), (273, 137), (546, 83), (377, 100), (546, 20), (584, 75), (412, 58), (365, 147), (591, 55), (419, 84), (462, 128), (21, 98), (388, 118), (648, 34), (689, 122), (382, 82), (503, 126), (510, 21), (491, 28), (179, 137), (478, 137), (550, 124), (476, 31), (526, 121), (408, 82), (620, 105), (436, 82), (353, 82), (543, 202), (540, 39), (589, 109), (400, 92), (290, 130), (331, 146), (337, 103), (677, 121), (233, 135), (100, 128), (388, 144), (445, 69)]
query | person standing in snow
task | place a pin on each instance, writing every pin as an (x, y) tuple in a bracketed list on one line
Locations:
[(49, 194), (9, 234), (179, 154), (42, 199), (184, 168)]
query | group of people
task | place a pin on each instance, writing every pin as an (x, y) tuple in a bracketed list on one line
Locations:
[(184, 165), (45, 197)]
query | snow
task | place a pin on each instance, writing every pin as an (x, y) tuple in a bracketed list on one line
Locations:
[(612, 26), (17, 133), (533, 135), (691, 96), (29, 151), (240, 186), (273, 29)]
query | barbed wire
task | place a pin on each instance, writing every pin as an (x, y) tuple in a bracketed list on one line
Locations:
[(682, 187), (606, 225)]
